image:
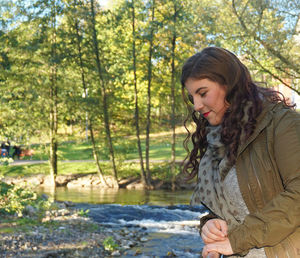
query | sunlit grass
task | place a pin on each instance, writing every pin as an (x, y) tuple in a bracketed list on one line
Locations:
[(25, 170), (125, 149), (35, 169), (125, 169)]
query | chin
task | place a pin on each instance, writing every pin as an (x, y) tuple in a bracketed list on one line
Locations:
[(214, 123)]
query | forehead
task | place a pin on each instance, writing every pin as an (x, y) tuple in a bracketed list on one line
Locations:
[(193, 85)]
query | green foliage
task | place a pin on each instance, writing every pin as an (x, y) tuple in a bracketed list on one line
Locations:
[(5, 161), (109, 244), (83, 213), (14, 199), (164, 171), (46, 50)]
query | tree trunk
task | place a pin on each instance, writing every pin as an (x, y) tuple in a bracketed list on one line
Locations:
[(149, 95), (53, 131), (136, 113), (89, 122), (99, 170), (173, 156), (53, 101), (103, 93)]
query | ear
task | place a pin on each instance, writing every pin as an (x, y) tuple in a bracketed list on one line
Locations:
[(225, 87)]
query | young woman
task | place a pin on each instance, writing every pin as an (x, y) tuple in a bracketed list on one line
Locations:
[(246, 156)]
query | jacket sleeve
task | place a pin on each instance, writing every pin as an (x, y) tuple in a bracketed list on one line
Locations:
[(281, 216)]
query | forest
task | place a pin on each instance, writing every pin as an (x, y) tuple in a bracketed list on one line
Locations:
[(76, 69)]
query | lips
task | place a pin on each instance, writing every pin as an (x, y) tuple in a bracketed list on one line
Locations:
[(206, 114)]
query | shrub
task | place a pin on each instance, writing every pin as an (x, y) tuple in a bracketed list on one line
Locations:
[(109, 244), (14, 199), (5, 161)]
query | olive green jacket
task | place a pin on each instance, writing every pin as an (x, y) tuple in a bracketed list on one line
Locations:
[(268, 172)]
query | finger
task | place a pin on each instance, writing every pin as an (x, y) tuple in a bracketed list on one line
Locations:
[(204, 252), (208, 236), (213, 254), (207, 240), (214, 228), (209, 248), (223, 247), (217, 223), (223, 227)]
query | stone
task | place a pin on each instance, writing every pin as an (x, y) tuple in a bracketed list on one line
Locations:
[(62, 180), (127, 244), (136, 185), (31, 211), (62, 205), (115, 253), (69, 204), (45, 197)]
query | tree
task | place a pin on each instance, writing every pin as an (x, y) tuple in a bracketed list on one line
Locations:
[(176, 10), (149, 90), (53, 92), (269, 29), (79, 60), (136, 113), (103, 94)]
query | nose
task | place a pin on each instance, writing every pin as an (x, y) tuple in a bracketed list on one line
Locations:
[(198, 105)]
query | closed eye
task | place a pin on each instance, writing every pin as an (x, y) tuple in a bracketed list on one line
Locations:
[(191, 98)]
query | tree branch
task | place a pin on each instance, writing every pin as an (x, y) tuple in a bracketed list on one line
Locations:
[(266, 45), (272, 74)]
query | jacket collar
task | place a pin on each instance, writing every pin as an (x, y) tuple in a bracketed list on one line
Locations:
[(262, 121)]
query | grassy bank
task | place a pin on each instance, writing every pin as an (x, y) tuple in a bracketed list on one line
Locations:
[(125, 149), (158, 170)]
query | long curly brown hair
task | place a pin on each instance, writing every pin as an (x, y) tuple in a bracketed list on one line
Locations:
[(222, 66)]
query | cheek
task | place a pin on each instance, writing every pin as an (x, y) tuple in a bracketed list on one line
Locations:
[(220, 102)]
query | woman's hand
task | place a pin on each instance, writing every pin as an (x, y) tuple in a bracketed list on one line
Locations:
[(221, 247), (214, 230)]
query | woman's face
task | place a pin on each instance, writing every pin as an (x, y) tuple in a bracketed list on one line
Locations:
[(208, 98)]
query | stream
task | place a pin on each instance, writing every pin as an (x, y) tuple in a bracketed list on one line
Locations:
[(170, 222)]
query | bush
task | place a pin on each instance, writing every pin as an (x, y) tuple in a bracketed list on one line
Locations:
[(5, 161), (15, 198)]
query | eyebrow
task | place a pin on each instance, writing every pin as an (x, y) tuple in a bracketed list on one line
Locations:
[(201, 88)]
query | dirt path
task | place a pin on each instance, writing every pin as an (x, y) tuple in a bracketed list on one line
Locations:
[(31, 162)]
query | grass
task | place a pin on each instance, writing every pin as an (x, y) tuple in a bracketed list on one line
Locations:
[(125, 149), (158, 170), (63, 168), (10, 224), (13, 224)]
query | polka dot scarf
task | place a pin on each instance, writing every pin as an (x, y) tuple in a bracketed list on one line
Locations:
[(210, 187)]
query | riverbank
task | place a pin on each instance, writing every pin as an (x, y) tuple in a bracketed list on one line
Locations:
[(92, 180), (66, 229), (65, 232)]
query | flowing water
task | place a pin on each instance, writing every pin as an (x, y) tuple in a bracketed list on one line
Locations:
[(170, 222)]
